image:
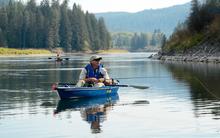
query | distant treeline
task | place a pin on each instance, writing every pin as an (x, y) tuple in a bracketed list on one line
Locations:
[(51, 25), (137, 41), (203, 24), (3, 2)]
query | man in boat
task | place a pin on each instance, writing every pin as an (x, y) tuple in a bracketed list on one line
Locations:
[(94, 74), (58, 58), (95, 116)]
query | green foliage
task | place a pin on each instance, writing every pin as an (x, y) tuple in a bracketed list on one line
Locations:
[(185, 43), (122, 40), (137, 41), (51, 25), (214, 27), (203, 22)]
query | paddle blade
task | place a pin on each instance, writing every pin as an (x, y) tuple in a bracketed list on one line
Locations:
[(134, 86), (139, 87)]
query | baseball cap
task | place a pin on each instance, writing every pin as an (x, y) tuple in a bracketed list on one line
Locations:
[(95, 57)]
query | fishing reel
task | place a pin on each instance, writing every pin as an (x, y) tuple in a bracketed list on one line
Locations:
[(115, 82)]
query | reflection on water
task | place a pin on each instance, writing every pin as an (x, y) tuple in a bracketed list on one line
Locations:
[(92, 110), (203, 80), (183, 98)]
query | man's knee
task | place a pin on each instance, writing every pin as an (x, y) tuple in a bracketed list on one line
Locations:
[(80, 83), (100, 84)]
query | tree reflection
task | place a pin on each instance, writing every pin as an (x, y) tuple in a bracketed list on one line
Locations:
[(203, 80)]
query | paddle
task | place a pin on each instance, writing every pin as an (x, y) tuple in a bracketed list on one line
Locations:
[(63, 83), (66, 58), (118, 85), (134, 86)]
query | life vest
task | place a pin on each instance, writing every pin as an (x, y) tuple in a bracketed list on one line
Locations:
[(91, 73)]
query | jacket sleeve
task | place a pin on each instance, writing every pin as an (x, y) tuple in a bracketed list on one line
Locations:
[(104, 73), (82, 75)]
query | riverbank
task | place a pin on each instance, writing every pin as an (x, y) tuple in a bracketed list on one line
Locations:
[(204, 59), (208, 52), (28, 55), (12, 52)]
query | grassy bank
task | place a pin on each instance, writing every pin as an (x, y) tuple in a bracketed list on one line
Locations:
[(187, 42), (18, 52), (5, 52)]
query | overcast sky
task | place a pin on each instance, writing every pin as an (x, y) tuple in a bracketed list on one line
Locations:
[(95, 6)]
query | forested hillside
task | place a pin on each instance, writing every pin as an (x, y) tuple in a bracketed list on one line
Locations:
[(139, 41), (200, 33), (146, 21), (51, 25)]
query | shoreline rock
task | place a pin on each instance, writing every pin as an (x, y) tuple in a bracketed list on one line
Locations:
[(187, 58), (211, 59), (208, 52)]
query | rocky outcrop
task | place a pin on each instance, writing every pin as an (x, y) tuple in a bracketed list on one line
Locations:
[(206, 52)]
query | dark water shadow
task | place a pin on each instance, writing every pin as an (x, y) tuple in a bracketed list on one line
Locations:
[(204, 87)]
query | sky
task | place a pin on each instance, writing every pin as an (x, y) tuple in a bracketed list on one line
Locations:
[(96, 6)]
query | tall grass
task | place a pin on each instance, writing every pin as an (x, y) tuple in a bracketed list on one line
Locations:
[(13, 51)]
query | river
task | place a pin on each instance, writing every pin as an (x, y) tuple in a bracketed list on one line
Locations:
[(183, 99)]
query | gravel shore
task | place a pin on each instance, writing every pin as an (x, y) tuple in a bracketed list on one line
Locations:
[(206, 52)]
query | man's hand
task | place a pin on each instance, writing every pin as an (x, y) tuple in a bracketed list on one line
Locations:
[(94, 80), (108, 82), (101, 80)]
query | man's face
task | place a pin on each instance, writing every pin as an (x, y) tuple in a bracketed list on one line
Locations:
[(95, 63)]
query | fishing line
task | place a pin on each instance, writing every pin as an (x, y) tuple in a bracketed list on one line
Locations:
[(206, 88), (142, 77)]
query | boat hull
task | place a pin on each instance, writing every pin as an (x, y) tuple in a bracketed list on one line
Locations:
[(78, 103), (78, 92)]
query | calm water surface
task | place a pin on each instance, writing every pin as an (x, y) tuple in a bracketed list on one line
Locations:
[(183, 99)]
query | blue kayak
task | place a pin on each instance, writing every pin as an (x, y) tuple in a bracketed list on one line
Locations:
[(67, 92), (78, 103)]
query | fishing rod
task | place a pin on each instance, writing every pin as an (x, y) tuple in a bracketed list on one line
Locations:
[(113, 85), (206, 88), (141, 77)]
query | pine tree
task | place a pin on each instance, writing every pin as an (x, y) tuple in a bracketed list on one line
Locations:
[(95, 41), (3, 27), (80, 36), (31, 36), (194, 21), (104, 35), (65, 30), (53, 32), (46, 12), (89, 29)]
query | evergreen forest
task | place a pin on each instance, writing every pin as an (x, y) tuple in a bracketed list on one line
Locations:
[(138, 41), (202, 25), (51, 25)]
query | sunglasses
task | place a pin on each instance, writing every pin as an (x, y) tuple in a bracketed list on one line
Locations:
[(97, 59)]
